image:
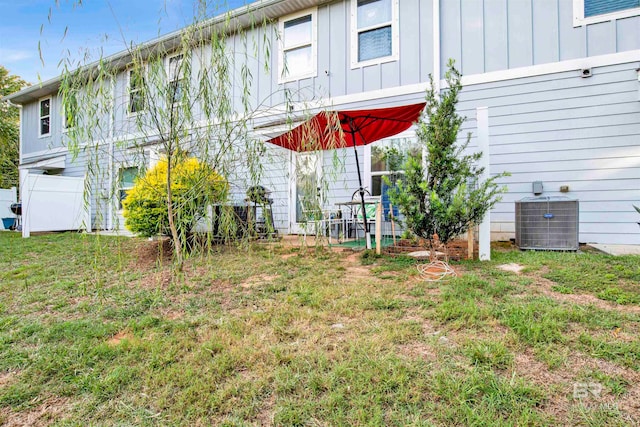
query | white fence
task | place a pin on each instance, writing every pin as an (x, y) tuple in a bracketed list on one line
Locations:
[(53, 203), (7, 198)]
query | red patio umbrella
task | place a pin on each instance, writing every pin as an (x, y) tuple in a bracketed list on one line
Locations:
[(338, 129)]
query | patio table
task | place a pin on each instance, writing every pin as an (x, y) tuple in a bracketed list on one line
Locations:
[(352, 212)]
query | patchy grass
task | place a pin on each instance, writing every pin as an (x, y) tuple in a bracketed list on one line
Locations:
[(95, 330)]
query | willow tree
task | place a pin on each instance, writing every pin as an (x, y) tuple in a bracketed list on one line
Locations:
[(182, 96)]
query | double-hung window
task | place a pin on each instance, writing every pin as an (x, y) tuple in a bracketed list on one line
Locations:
[(126, 181), (593, 11), (69, 109), (45, 117), (176, 78), (374, 32), (137, 82), (298, 53)]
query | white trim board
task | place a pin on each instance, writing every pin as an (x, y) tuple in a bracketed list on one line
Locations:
[(46, 164), (496, 76)]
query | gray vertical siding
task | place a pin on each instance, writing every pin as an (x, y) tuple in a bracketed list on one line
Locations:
[(31, 142), (492, 35), (564, 130)]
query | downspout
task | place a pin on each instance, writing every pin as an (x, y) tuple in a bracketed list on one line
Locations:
[(437, 72), (436, 47)]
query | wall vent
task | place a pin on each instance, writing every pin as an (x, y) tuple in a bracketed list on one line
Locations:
[(547, 223)]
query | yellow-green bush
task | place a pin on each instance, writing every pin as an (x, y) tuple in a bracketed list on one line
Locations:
[(194, 186)]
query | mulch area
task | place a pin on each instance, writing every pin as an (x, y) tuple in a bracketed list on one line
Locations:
[(457, 249)]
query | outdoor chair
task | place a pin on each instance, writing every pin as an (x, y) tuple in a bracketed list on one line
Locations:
[(370, 206), (317, 221)]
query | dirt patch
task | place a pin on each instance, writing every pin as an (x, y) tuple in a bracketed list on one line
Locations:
[(266, 415), (160, 279), (544, 286), (173, 314), (418, 350), (6, 378), (563, 380), (117, 338), (148, 254), (260, 280), (45, 414), (355, 271)]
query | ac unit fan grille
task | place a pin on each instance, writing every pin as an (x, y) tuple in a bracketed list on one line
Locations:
[(543, 223)]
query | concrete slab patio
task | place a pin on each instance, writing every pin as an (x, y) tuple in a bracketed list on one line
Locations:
[(617, 249)]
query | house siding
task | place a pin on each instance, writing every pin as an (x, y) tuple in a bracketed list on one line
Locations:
[(493, 35), (555, 127), (565, 130)]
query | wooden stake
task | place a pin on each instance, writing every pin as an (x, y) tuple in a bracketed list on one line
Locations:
[(379, 228), (393, 224)]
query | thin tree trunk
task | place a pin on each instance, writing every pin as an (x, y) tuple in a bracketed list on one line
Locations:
[(177, 244)]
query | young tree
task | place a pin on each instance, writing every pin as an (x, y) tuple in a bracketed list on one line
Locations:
[(189, 96), (441, 201), (9, 130)]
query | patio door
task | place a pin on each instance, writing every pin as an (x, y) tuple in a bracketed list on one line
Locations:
[(305, 200)]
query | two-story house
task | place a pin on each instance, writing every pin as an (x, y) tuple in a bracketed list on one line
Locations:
[(555, 84)]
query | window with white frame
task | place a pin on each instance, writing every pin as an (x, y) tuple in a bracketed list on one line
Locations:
[(388, 158), (69, 109), (594, 11), (126, 180), (137, 101), (44, 122), (374, 34), (176, 77), (298, 54)]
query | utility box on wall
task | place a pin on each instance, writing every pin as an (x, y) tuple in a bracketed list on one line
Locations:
[(547, 223)]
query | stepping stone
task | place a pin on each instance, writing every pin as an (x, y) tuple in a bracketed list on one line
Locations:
[(424, 255)]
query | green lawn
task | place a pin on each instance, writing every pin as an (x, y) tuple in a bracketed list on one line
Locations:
[(96, 331)]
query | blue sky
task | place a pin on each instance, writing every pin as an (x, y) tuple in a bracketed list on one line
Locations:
[(95, 25)]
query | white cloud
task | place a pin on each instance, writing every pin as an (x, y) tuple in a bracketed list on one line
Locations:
[(8, 56)]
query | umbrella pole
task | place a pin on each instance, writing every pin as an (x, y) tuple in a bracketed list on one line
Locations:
[(367, 235)]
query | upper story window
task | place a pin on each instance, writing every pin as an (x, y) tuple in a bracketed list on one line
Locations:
[(69, 108), (593, 11), (45, 117), (137, 82), (297, 56), (176, 77), (374, 32)]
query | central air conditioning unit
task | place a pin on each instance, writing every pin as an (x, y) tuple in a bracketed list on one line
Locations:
[(547, 223)]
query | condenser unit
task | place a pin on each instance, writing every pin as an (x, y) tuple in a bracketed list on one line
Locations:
[(547, 223)]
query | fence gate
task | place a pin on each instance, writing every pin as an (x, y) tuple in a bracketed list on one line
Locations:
[(53, 203)]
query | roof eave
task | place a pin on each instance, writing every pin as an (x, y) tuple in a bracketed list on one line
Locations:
[(243, 16)]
